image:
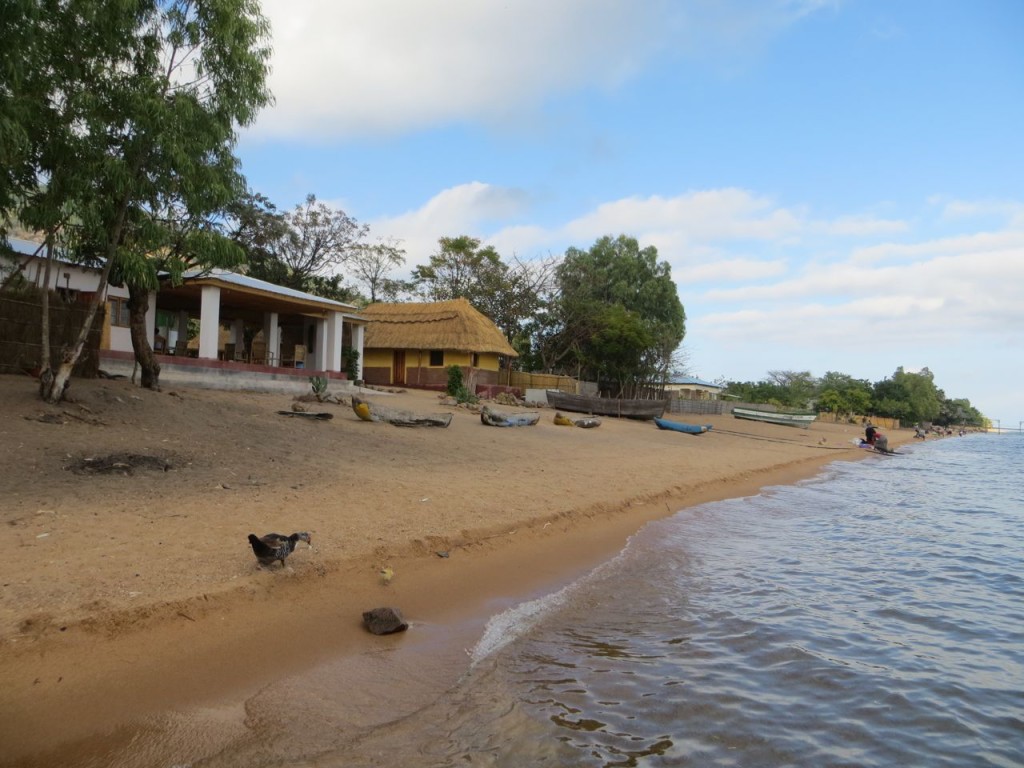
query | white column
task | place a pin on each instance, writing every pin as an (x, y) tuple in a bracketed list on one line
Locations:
[(209, 322), (357, 344), (272, 334), (332, 342)]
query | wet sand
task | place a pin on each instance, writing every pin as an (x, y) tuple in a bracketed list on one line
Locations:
[(133, 612)]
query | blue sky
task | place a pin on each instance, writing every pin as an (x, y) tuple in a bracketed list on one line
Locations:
[(838, 186)]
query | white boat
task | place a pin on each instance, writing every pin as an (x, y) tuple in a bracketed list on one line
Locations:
[(788, 418)]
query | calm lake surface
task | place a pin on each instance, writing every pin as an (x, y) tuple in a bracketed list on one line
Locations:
[(873, 616)]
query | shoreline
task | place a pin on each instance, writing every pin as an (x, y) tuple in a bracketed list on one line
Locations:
[(225, 645)]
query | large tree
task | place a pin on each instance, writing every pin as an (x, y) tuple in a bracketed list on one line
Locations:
[(617, 315), (910, 397), (130, 109), (301, 249), (371, 265), (317, 241), (509, 294)]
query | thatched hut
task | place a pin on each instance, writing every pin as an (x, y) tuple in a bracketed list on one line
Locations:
[(414, 344)]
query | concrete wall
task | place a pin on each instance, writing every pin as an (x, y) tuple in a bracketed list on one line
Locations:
[(210, 374)]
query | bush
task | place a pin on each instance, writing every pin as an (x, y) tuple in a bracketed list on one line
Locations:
[(350, 357), (457, 386)]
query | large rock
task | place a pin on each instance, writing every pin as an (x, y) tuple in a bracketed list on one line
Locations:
[(384, 621)]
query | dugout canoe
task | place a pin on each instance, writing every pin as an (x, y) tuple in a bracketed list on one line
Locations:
[(368, 411), (607, 406), (680, 426), (493, 418)]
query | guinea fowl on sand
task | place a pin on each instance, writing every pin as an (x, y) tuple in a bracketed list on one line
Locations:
[(276, 546)]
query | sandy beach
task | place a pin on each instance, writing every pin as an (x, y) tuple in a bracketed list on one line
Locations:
[(133, 592)]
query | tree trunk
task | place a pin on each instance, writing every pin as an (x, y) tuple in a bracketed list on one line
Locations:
[(138, 306), (45, 370)]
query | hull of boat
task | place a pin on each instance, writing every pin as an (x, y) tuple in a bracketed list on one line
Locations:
[(494, 418), (607, 406), (787, 418), (679, 426)]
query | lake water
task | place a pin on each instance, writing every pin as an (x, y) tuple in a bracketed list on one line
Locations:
[(873, 616)]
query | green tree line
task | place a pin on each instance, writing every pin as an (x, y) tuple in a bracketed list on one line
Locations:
[(910, 397)]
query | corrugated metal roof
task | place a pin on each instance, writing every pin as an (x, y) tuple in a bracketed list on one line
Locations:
[(691, 380), (254, 284)]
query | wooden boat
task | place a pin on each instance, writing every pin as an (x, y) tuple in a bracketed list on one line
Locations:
[(586, 422), (606, 406), (788, 418), (860, 443), (493, 418), (679, 426), (368, 411)]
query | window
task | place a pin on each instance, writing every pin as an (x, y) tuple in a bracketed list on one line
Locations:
[(436, 358), (119, 314), (474, 361)]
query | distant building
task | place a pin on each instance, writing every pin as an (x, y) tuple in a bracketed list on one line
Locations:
[(690, 388)]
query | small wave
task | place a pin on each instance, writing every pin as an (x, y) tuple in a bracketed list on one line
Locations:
[(515, 622)]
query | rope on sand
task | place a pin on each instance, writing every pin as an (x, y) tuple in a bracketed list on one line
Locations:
[(778, 440)]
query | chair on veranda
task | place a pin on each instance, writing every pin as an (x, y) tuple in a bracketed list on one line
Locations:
[(181, 348), (258, 353), (297, 358)]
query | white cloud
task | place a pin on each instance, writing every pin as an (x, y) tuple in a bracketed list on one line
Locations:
[(462, 210), (345, 68)]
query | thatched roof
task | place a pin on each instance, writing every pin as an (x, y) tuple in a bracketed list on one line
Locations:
[(454, 325)]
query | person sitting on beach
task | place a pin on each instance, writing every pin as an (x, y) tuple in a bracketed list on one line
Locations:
[(874, 437)]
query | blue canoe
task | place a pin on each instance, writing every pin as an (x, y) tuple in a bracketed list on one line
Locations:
[(678, 426)]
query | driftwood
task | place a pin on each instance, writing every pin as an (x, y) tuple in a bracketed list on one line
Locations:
[(304, 414), (368, 411)]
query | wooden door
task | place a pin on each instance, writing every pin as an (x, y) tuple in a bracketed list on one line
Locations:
[(398, 368)]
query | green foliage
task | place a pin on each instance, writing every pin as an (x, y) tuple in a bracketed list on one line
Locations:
[(457, 386), (318, 385), (455, 380), (509, 294), (123, 116), (350, 358), (616, 317), (909, 397)]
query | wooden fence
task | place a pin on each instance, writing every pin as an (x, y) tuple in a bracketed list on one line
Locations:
[(21, 332)]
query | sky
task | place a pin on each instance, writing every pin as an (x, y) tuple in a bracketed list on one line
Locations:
[(836, 185)]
